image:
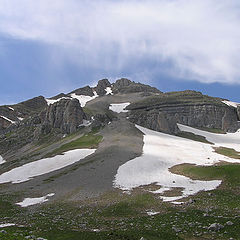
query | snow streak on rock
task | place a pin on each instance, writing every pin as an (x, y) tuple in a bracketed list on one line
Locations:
[(2, 160), (231, 104), (9, 120)]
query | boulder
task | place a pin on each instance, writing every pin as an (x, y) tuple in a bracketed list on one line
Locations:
[(215, 227)]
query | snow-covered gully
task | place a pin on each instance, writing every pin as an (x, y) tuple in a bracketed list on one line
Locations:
[(161, 152)]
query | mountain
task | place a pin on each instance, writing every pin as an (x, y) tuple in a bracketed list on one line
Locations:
[(119, 157)]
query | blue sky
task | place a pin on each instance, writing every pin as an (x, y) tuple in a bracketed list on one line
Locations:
[(47, 47)]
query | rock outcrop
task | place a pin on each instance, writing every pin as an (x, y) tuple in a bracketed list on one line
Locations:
[(161, 113), (87, 91), (155, 120), (66, 115), (101, 86), (36, 104), (125, 85), (16, 113)]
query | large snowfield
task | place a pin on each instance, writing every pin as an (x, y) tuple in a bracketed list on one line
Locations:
[(118, 107), (161, 152), (43, 166)]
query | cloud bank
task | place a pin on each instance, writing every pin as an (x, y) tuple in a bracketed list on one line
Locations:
[(198, 39)]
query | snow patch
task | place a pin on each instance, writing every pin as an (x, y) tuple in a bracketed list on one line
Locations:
[(83, 99), (152, 213), (85, 123), (109, 91), (20, 118), (43, 166), (177, 203), (161, 152), (119, 107), (3, 225), (231, 104), (52, 101), (33, 201), (228, 140), (9, 120), (12, 109), (2, 160)]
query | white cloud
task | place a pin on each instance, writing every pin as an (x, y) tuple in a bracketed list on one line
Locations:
[(199, 37)]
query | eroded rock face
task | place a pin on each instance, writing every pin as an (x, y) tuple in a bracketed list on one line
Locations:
[(155, 120), (66, 115), (188, 108)]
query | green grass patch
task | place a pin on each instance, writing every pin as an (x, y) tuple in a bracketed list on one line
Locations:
[(229, 152), (122, 209), (90, 140), (193, 137), (229, 172), (212, 130)]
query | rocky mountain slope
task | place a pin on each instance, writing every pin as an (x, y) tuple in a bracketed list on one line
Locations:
[(83, 146)]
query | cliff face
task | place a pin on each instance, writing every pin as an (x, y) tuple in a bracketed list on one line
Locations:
[(161, 113), (66, 115)]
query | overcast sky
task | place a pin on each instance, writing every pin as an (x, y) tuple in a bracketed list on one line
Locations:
[(52, 46)]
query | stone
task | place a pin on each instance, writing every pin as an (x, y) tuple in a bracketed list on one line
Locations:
[(229, 223), (191, 201), (215, 227), (177, 230)]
